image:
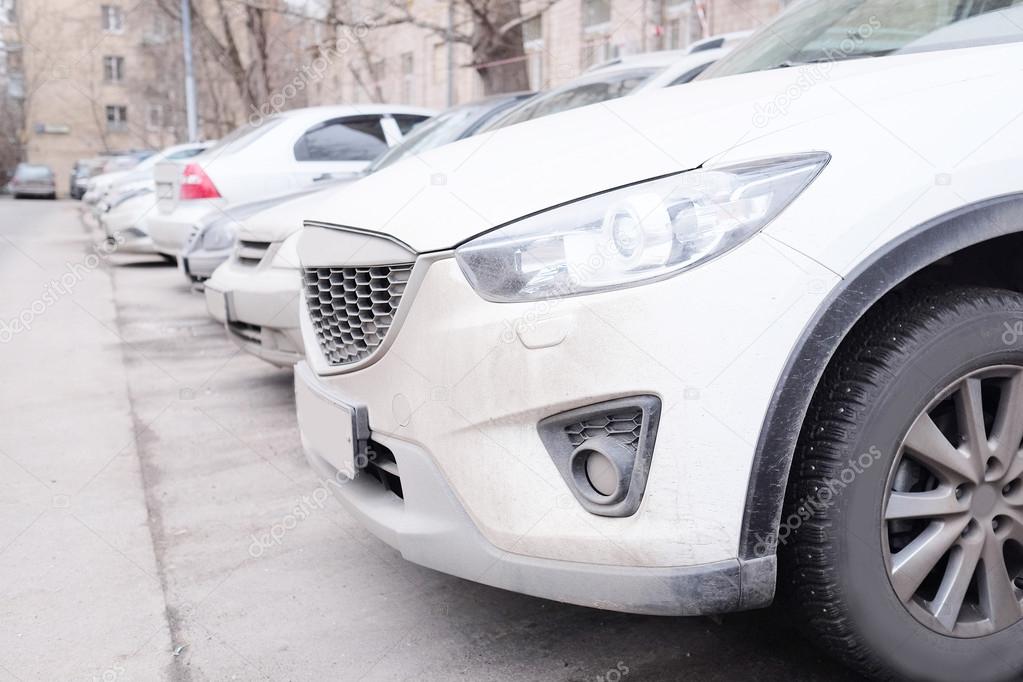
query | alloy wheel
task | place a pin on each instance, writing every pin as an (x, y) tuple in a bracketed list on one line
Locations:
[(953, 510)]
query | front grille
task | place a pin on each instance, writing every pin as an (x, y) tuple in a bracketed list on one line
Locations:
[(623, 425), (352, 309), (251, 253)]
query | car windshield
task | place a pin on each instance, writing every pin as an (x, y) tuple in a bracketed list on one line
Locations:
[(440, 130), (817, 31), (596, 88)]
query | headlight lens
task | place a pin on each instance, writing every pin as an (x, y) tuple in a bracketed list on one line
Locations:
[(287, 255), (636, 233), (218, 236), (118, 199)]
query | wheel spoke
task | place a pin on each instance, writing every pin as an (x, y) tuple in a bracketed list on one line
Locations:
[(997, 595), (963, 564), (938, 502), (929, 446), (970, 411), (1007, 431), (912, 564)]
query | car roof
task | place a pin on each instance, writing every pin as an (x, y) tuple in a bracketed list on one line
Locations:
[(311, 113), (661, 58)]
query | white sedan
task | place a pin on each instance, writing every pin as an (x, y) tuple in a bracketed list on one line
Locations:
[(673, 353), (278, 155)]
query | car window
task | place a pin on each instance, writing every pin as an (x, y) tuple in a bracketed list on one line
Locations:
[(595, 89), (26, 172), (184, 154), (825, 30), (442, 129), (344, 139), (406, 122), (690, 75), (242, 137)]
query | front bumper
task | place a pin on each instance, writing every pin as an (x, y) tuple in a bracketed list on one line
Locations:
[(469, 381), (199, 265), (429, 526), (125, 226), (259, 307), (34, 191)]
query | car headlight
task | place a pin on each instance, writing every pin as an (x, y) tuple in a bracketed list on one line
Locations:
[(287, 255), (218, 236), (118, 199), (634, 234)]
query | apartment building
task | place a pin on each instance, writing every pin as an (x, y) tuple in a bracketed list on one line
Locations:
[(85, 77), (408, 64)]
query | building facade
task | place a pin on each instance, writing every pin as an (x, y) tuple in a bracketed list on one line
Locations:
[(79, 78), (86, 77), (409, 65)]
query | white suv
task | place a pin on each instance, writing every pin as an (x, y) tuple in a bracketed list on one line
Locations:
[(668, 353)]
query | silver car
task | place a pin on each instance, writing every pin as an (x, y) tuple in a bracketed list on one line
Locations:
[(31, 180)]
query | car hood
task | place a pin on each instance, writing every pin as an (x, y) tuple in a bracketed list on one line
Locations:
[(277, 218), (450, 194)]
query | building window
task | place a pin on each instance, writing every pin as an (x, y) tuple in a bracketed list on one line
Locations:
[(378, 70), (113, 69), (117, 117), (8, 11), (408, 77), (13, 60), (532, 42), (596, 14), (596, 25), (113, 18), (154, 116), (682, 25), (440, 63), (597, 48)]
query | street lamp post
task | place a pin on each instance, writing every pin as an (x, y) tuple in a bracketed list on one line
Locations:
[(186, 37)]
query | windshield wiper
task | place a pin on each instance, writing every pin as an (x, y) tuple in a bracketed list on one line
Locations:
[(790, 63)]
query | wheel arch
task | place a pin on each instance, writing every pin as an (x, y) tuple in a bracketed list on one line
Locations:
[(909, 255)]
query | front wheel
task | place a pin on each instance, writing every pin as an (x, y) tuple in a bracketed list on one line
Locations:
[(902, 543)]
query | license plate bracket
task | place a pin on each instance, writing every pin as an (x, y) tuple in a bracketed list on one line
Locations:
[(331, 429)]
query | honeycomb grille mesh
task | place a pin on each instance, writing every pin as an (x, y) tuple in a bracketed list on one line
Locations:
[(352, 309), (623, 425)]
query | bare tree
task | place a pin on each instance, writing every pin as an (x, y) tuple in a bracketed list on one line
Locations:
[(249, 42), (491, 28)]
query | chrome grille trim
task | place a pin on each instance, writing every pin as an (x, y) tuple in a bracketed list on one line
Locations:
[(352, 309)]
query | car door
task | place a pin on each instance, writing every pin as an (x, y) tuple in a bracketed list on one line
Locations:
[(338, 147)]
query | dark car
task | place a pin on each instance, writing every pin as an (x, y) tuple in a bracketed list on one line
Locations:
[(31, 180)]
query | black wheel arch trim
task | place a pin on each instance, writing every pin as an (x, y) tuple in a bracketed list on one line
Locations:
[(876, 276)]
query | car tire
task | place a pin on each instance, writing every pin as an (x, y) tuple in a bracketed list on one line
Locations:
[(860, 526)]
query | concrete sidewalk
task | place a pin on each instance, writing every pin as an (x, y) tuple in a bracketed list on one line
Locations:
[(158, 520)]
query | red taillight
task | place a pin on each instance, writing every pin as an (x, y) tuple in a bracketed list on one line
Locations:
[(195, 184)]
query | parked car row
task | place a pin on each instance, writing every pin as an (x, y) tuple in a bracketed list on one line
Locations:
[(668, 347)]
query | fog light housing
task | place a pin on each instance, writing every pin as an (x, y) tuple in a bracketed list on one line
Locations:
[(602, 469), (603, 452)]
